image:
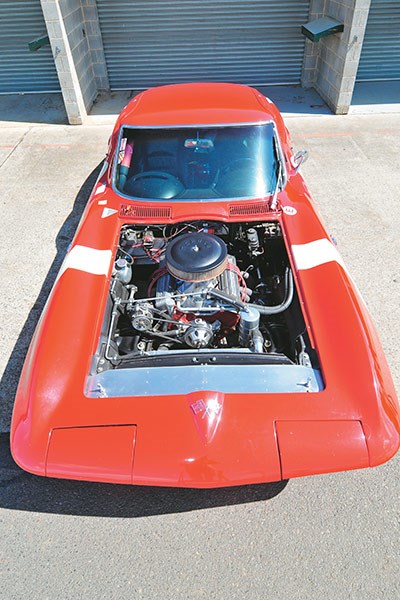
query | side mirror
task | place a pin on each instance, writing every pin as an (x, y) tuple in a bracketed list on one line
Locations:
[(299, 158)]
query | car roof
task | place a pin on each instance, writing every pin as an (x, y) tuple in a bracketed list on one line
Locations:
[(198, 104)]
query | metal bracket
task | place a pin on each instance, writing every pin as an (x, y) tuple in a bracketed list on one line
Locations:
[(315, 30), (38, 43)]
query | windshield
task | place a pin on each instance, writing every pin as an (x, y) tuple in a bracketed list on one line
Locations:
[(198, 163)]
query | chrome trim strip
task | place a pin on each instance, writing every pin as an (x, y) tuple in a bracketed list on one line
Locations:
[(166, 381), (207, 125)]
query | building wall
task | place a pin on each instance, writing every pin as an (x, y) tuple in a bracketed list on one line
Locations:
[(331, 64), (75, 39), (94, 39), (72, 14)]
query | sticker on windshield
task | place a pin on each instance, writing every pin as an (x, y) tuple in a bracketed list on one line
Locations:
[(121, 153)]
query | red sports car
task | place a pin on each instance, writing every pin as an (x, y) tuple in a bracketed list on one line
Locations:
[(203, 330)]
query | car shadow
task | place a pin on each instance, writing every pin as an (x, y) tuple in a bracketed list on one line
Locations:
[(22, 491), (11, 374)]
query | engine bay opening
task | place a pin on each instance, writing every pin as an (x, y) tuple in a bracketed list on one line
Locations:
[(202, 293)]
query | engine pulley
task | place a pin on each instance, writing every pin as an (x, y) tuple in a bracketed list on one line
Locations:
[(199, 334)]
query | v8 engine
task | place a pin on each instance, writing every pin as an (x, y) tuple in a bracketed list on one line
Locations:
[(204, 291)]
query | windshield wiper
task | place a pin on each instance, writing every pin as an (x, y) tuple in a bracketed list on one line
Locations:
[(274, 201)]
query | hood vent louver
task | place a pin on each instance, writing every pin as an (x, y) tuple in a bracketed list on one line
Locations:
[(248, 209), (145, 212)]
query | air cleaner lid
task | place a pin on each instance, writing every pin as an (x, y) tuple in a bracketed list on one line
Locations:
[(196, 256)]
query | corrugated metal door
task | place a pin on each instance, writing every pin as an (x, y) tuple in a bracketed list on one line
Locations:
[(380, 56), (157, 42), (22, 21)]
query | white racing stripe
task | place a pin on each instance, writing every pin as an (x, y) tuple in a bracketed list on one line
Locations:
[(320, 252), (89, 260), (100, 189), (313, 254)]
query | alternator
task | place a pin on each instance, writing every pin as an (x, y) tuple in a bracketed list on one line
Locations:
[(141, 315)]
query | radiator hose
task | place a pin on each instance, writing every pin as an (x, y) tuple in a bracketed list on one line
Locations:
[(279, 308)]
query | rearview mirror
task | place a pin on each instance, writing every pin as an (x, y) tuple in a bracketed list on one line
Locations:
[(199, 144)]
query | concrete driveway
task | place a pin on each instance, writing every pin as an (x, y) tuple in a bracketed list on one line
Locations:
[(332, 537)]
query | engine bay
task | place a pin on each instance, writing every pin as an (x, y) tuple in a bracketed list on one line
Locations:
[(202, 292)]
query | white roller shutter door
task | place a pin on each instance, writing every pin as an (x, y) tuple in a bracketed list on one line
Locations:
[(380, 55), (156, 42), (22, 21)]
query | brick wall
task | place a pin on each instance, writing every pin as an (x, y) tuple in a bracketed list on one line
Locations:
[(77, 47), (95, 42), (72, 14), (331, 64)]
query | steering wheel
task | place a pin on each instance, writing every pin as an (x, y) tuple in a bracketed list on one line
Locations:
[(154, 184), (155, 175)]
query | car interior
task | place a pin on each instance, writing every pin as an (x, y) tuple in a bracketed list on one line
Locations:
[(224, 162)]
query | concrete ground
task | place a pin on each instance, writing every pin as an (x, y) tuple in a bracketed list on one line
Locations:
[(49, 108), (290, 99), (376, 97), (332, 537)]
